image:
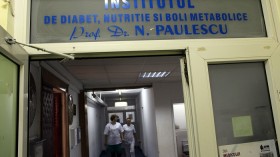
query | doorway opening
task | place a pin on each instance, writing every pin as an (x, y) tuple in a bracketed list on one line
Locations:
[(153, 82)]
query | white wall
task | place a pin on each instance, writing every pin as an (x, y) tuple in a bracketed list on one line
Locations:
[(165, 94), (149, 145), (96, 120), (94, 139), (6, 16), (180, 115), (76, 151), (139, 118)]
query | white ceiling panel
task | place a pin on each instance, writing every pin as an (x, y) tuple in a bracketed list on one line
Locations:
[(175, 74), (158, 67), (93, 77), (85, 69), (117, 81), (118, 72), (114, 75), (95, 82), (124, 68)]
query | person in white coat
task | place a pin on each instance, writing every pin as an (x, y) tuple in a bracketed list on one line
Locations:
[(113, 137), (129, 138)]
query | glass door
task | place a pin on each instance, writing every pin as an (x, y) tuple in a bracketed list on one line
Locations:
[(14, 62), (234, 100), (9, 107)]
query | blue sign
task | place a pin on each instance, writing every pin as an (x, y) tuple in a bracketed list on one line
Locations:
[(123, 20)]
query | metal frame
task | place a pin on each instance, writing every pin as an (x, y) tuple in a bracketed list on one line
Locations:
[(19, 56)]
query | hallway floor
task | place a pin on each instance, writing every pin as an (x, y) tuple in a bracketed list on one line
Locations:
[(138, 153)]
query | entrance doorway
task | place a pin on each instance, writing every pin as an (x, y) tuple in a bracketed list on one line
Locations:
[(158, 78)]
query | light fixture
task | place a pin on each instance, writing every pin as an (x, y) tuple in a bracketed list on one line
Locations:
[(120, 103), (158, 74), (63, 89), (119, 91)]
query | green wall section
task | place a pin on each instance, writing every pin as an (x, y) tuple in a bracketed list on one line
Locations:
[(8, 107)]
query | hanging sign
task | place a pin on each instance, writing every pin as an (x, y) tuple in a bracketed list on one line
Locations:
[(254, 149), (122, 20)]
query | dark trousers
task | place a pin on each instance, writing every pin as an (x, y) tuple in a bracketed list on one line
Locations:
[(115, 154), (114, 150)]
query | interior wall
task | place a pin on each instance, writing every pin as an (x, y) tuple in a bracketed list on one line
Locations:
[(95, 115), (180, 115), (165, 94), (149, 145), (6, 16), (130, 102), (139, 117), (73, 89), (76, 151), (3, 14)]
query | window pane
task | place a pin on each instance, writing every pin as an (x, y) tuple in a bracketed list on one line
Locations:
[(61, 21), (8, 112), (241, 103)]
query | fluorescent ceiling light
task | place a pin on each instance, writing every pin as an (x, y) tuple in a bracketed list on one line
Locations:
[(120, 104), (159, 74), (63, 89)]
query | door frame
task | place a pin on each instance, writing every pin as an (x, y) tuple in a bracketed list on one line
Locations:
[(64, 121), (19, 56), (237, 50)]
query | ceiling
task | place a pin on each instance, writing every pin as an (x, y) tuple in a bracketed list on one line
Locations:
[(115, 73)]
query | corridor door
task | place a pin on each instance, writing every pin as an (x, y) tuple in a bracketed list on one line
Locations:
[(241, 128), (14, 98)]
